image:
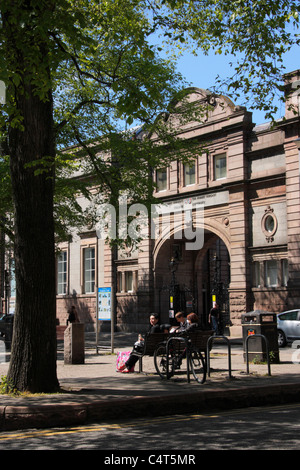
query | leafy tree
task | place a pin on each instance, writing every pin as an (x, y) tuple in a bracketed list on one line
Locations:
[(254, 34), (75, 71)]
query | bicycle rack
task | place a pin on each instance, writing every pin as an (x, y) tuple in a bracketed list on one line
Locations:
[(182, 340), (210, 340), (267, 348)]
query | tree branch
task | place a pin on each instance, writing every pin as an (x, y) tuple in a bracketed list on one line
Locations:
[(75, 110)]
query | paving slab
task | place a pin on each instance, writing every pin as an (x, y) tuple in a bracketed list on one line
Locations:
[(95, 391)]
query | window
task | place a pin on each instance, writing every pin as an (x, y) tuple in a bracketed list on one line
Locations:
[(256, 274), (271, 277), (292, 315), (62, 267), (126, 281), (89, 270), (189, 174), (12, 279), (161, 179), (129, 281), (120, 282), (269, 224), (220, 167), (285, 271)]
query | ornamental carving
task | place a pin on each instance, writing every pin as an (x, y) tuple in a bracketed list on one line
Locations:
[(269, 224)]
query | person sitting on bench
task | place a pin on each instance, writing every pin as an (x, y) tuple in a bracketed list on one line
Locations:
[(183, 323), (139, 345), (192, 323)]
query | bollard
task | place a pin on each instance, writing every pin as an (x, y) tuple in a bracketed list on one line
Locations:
[(74, 344)]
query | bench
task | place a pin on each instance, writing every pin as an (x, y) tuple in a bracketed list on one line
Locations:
[(198, 338), (150, 343), (189, 344)]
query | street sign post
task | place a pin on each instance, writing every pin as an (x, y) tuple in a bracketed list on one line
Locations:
[(104, 311)]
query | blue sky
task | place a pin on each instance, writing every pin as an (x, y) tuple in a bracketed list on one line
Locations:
[(201, 72)]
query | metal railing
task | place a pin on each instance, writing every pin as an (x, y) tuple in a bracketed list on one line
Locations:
[(267, 350), (210, 340)]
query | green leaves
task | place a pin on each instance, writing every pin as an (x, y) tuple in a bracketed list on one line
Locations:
[(97, 61), (257, 33)]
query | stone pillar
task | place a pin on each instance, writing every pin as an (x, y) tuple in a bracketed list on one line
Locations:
[(74, 344), (293, 220), (239, 285), (237, 175), (291, 147), (145, 283)]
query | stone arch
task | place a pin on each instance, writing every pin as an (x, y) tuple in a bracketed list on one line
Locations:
[(209, 226), (191, 273)]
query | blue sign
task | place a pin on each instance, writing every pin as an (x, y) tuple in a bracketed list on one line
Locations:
[(104, 303)]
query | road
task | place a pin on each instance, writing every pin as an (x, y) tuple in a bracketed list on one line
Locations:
[(268, 428)]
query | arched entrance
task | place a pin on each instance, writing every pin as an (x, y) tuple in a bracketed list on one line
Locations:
[(186, 280)]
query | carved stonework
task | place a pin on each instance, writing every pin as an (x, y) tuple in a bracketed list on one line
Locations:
[(269, 224)]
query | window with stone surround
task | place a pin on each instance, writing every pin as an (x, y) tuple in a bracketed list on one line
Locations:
[(127, 281), (284, 272), (220, 166), (89, 269), (161, 179), (269, 224), (62, 272), (271, 273), (256, 281), (189, 174)]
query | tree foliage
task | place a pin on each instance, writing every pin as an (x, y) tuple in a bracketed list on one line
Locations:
[(254, 34), (105, 74), (74, 72)]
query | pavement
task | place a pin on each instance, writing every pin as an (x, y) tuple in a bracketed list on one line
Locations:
[(95, 392)]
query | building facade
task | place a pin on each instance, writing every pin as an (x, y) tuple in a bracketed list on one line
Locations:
[(240, 195)]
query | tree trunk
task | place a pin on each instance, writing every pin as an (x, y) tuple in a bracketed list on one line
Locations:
[(31, 142), (33, 355)]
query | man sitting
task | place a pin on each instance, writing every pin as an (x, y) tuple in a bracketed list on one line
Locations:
[(139, 345), (183, 323)]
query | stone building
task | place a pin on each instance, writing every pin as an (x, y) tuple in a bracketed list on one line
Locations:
[(241, 196)]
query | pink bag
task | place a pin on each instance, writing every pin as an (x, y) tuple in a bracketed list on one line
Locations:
[(122, 357)]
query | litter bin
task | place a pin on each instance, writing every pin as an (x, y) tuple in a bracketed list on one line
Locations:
[(263, 323)]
